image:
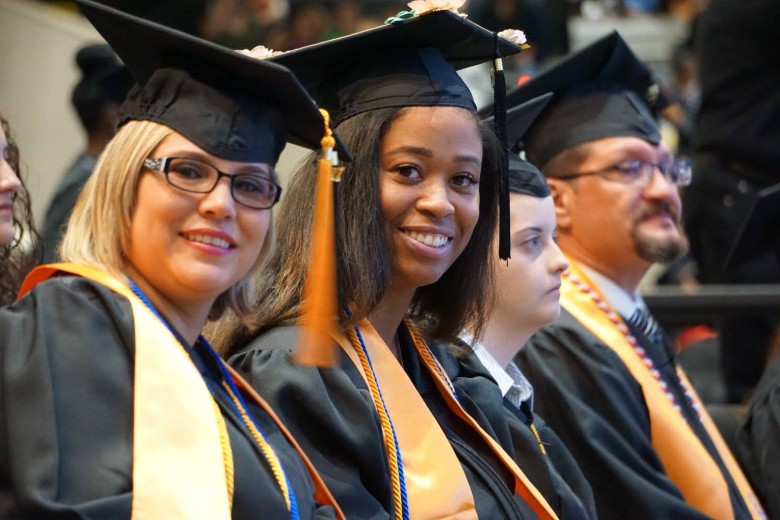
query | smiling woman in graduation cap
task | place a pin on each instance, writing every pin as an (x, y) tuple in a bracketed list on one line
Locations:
[(112, 404), (416, 214)]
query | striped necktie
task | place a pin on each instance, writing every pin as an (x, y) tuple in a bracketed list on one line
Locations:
[(644, 321)]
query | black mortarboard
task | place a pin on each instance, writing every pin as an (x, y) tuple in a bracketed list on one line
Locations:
[(409, 63), (234, 106), (760, 231), (523, 176), (604, 90)]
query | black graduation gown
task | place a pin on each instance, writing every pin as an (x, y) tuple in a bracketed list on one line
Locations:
[(66, 414), (589, 397), (556, 475), (331, 414), (758, 439)]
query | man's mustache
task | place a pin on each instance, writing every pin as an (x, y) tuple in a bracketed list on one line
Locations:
[(654, 208)]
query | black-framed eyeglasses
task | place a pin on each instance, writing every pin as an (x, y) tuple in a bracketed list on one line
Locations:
[(248, 189), (641, 172)]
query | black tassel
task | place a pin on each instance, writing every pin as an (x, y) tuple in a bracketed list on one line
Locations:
[(499, 109)]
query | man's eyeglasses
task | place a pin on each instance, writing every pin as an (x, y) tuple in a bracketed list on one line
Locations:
[(195, 176), (641, 172)]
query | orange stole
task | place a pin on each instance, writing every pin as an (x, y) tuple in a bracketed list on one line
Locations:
[(186, 479), (686, 461), (439, 489)]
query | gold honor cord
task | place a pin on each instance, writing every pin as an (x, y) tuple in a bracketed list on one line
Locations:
[(433, 490), (227, 455), (538, 439), (321, 493), (384, 419), (268, 451)]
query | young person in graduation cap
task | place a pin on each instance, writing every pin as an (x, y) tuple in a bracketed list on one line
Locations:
[(527, 290), (20, 248), (416, 212), (611, 387), (113, 405)]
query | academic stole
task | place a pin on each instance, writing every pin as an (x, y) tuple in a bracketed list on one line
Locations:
[(436, 484), (182, 460), (686, 460)]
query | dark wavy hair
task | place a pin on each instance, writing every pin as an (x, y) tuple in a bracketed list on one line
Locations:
[(23, 253), (463, 295)]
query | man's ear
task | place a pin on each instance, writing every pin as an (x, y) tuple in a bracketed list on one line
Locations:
[(562, 197)]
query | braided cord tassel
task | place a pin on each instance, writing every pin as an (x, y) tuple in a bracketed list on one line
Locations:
[(268, 452)]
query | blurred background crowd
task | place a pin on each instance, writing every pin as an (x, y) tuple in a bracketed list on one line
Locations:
[(47, 92), (39, 41), (287, 24)]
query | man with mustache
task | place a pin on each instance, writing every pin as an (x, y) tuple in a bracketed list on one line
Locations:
[(606, 374)]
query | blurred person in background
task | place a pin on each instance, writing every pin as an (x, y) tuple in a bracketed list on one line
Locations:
[(757, 437), (684, 95), (184, 15), (242, 24), (96, 98), (347, 17), (543, 22), (305, 25), (737, 154)]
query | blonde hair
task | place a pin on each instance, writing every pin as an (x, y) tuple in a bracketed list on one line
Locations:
[(98, 232)]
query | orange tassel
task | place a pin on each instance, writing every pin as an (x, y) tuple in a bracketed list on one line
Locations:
[(316, 345)]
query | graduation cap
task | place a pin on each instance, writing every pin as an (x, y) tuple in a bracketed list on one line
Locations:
[(603, 90), (524, 177), (232, 105), (409, 63), (759, 231)]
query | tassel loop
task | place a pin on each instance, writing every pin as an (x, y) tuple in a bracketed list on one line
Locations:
[(329, 153)]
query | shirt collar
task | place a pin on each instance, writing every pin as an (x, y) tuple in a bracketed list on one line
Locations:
[(624, 303), (508, 377)]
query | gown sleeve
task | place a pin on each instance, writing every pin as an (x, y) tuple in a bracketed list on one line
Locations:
[(326, 410), (758, 440), (597, 409), (66, 403)]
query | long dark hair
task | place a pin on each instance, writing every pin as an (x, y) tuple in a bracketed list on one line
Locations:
[(462, 295), (22, 253)]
